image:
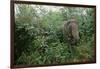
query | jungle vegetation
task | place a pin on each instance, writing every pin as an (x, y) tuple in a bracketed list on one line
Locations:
[(36, 40)]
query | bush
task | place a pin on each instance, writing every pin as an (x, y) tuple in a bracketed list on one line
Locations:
[(38, 41)]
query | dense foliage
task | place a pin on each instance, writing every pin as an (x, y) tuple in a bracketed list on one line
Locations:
[(37, 40)]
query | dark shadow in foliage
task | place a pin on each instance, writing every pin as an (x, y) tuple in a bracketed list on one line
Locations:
[(22, 41)]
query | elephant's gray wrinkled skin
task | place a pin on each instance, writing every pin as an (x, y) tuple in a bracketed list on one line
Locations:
[(70, 32)]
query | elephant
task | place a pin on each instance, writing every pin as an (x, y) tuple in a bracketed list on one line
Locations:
[(71, 31)]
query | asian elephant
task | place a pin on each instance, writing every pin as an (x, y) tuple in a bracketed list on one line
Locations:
[(71, 32)]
